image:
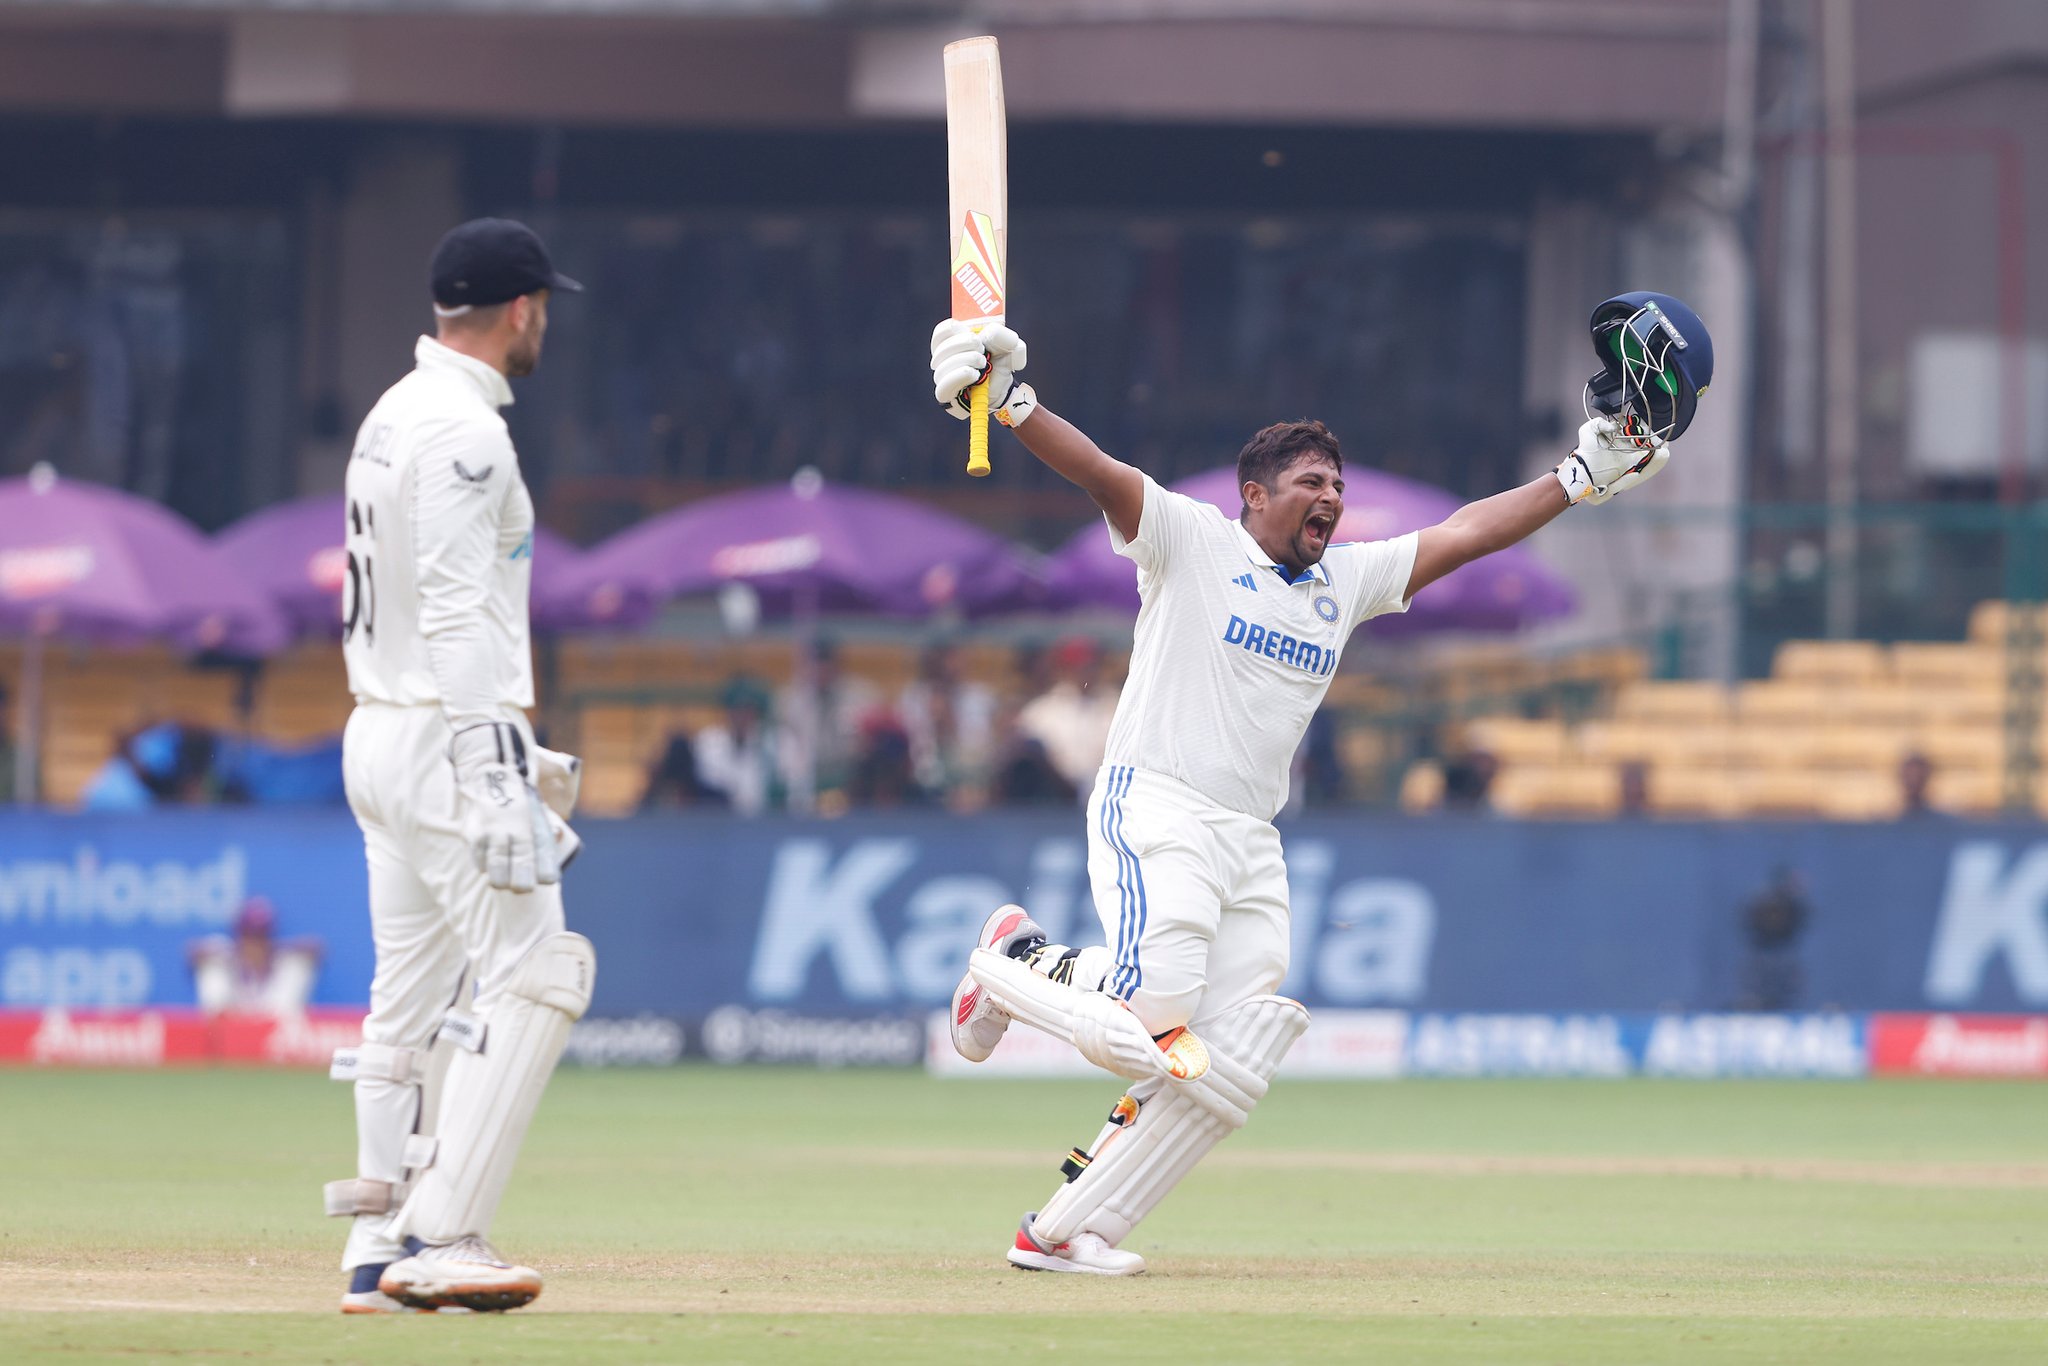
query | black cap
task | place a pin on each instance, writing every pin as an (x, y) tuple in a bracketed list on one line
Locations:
[(491, 261)]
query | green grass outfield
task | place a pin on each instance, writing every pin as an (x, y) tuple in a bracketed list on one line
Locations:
[(701, 1215)]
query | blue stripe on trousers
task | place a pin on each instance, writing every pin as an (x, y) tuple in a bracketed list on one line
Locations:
[(1131, 973), (1123, 889)]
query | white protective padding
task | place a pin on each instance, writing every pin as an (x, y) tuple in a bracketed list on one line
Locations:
[(397, 1095), (388, 1081), (1135, 1164), (1100, 1026), (491, 1094)]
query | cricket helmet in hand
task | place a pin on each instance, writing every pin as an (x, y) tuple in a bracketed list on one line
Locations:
[(1656, 359)]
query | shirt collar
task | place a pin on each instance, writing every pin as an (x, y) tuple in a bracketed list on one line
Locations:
[(432, 355), (1317, 572)]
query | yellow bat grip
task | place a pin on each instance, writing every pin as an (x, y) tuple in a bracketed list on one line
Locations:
[(977, 430)]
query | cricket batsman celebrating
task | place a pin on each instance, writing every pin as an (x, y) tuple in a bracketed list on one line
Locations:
[(1240, 629), (462, 814)]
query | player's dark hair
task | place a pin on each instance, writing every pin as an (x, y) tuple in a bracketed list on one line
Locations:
[(1272, 450)]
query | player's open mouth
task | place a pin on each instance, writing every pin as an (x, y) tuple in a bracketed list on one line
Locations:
[(1318, 528)]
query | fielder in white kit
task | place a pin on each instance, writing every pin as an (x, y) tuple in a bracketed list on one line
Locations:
[(463, 815), (1240, 629)]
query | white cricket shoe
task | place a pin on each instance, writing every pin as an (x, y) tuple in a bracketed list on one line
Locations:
[(363, 1296), (467, 1273), (978, 1023), (1087, 1254)]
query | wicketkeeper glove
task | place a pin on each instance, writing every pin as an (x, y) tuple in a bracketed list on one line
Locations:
[(504, 821), (559, 778), (962, 357), (1608, 460)]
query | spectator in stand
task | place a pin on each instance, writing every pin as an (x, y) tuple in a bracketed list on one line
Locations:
[(252, 971), (1317, 779), (1070, 720), (166, 765), (1030, 670), (950, 722), (736, 758), (674, 781), (883, 773), (1026, 777), (1772, 924), (1916, 776), (1632, 780), (821, 729), (1468, 781)]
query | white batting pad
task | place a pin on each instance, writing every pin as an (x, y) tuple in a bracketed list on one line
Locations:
[(491, 1094), (1100, 1026), (1141, 1156), (398, 1094)]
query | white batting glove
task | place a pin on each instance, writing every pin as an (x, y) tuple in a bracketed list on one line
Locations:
[(1607, 461), (503, 819), (961, 357), (559, 778)]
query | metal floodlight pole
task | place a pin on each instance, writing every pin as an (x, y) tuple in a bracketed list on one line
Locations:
[(1838, 97)]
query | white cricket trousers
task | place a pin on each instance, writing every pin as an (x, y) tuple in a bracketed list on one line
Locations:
[(432, 913), (1192, 895)]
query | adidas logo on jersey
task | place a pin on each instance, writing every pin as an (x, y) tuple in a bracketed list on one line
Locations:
[(1246, 581)]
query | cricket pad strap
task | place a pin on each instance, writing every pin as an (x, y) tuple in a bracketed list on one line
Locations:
[(1154, 1140), (1099, 1025), (378, 1062), (491, 1093), (397, 1103)]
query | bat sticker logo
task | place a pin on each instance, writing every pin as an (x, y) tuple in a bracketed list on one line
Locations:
[(977, 271)]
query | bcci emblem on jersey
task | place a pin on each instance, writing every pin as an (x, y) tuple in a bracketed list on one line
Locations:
[(1326, 607)]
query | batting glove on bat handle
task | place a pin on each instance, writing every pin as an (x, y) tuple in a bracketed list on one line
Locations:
[(963, 357)]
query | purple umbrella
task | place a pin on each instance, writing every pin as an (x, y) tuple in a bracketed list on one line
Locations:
[(805, 544), (1502, 592), (85, 562), (293, 552)]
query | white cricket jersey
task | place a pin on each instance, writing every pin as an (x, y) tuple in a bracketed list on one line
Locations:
[(440, 546), (1231, 657)]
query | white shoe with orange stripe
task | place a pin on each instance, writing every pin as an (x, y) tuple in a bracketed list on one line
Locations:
[(467, 1273), (1086, 1254), (978, 1023)]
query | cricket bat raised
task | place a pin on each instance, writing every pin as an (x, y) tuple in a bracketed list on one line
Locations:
[(978, 166)]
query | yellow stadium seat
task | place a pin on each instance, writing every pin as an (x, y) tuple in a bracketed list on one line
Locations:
[(1976, 703), (1990, 621), (1672, 701), (1948, 665), (1794, 703), (1785, 792), (1879, 704), (1860, 797), (1857, 747), (1619, 741), (1967, 791), (1828, 661), (1550, 790), (1513, 740), (1960, 746), (1696, 792)]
